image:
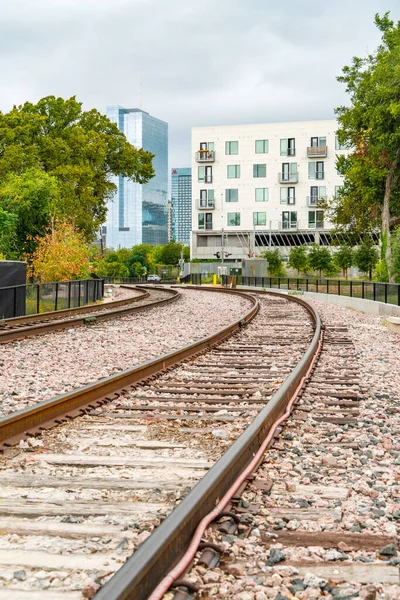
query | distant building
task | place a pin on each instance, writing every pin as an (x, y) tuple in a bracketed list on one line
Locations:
[(257, 186), (137, 214), (181, 205)]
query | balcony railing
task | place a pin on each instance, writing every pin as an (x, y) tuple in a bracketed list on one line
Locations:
[(205, 156), (288, 177), (298, 225), (205, 204), (285, 225), (317, 151), (315, 200)]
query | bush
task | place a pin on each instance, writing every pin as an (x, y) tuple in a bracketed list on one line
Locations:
[(275, 263)]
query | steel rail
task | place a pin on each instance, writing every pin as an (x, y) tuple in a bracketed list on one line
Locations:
[(32, 420), (58, 324), (155, 557), (75, 310)]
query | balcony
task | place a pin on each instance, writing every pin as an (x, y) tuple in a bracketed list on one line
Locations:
[(288, 177), (205, 156), (202, 204), (317, 151)]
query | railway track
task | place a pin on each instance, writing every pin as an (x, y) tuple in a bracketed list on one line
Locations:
[(33, 325), (100, 483), (80, 498)]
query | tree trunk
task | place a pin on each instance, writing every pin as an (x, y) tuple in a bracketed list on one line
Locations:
[(390, 182)]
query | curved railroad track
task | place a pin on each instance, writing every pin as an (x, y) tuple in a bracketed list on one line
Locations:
[(32, 325), (67, 485)]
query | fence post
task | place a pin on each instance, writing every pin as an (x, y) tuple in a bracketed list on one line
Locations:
[(351, 288), (79, 292), (86, 290), (15, 301), (398, 295), (374, 291), (316, 285), (279, 283), (69, 294), (56, 298), (362, 290), (338, 287), (386, 292), (327, 286), (298, 283), (37, 298), (307, 284)]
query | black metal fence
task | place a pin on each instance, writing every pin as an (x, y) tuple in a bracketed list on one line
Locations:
[(35, 298), (118, 280), (389, 293)]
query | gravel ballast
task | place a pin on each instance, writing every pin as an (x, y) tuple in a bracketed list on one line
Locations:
[(37, 369)]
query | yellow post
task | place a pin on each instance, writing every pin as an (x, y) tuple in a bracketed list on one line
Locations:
[(214, 279)]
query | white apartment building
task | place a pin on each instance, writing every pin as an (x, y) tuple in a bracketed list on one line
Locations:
[(255, 186)]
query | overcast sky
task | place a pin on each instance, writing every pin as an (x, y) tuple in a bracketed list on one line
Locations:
[(203, 62)]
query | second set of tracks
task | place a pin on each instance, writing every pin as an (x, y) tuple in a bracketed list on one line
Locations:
[(157, 451)]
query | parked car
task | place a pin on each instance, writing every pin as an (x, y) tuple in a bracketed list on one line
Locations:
[(153, 278)]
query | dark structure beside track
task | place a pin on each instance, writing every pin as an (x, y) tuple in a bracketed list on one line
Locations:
[(12, 300)]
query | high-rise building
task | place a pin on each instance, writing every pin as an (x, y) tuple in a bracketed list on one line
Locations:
[(137, 214), (256, 186), (181, 205)]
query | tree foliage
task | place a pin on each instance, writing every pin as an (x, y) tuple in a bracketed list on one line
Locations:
[(298, 258), (81, 150), (320, 259), (344, 259), (365, 258), (395, 257), (371, 125), (8, 223), (275, 263), (61, 254)]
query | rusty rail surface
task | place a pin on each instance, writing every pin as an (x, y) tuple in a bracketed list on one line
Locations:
[(155, 557), (39, 328), (30, 421)]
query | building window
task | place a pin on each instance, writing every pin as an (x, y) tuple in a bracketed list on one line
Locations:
[(205, 174), (233, 219), (259, 170), (316, 170), (259, 218), (317, 193), (231, 195), (206, 199), (261, 194), (289, 219), (205, 220), (231, 147), (289, 172), (318, 142), (288, 147), (288, 195), (201, 220), (262, 146), (233, 171), (338, 189), (316, 219), (207, 146), (209, 221), (339, 146)]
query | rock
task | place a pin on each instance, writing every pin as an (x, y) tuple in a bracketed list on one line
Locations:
[(20, 575), (275, 556), (388, 550), (297, 585), (90, 590), (220, 433), (235, 570), (368, 593), (333, 555), (311, 580), (210, 577)]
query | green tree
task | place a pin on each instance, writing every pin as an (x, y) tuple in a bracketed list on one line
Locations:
[(143, 254), (82, 150), (298, 258), (170, 253), (320, 259), (365, 258), (344, 259), (395, 257), (371, 125), (8, 223), (275, 263), (34, 197)]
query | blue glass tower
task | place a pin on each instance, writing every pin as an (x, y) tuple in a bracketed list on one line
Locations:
[(137, 214), (181, 205)]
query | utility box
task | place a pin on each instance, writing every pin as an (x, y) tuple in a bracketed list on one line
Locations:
[(235, 271), (254, 267), (12, 299)]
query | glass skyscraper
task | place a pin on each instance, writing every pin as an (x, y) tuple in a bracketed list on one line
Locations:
[(137, 214), (181, 205)]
